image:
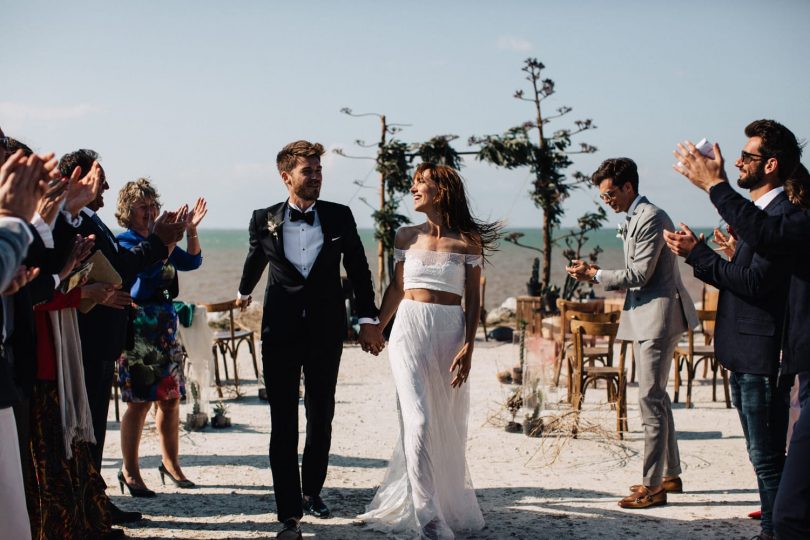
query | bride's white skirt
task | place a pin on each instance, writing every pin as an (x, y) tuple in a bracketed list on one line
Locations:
[(427, 492)]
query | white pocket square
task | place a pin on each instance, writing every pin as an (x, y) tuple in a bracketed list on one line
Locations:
[(336, 238)]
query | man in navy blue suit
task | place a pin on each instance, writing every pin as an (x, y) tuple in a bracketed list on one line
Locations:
[(750, 313), (772, 235)]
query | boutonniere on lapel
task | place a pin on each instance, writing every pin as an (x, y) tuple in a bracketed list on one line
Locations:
[(621, 230), (273, 225)]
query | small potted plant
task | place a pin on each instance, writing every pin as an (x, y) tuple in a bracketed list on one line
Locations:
[(513, 404), (196, 419), (532, 422), (533, 285), (220, 420)]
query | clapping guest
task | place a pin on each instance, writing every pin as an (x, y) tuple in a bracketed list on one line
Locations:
[(152, 372)]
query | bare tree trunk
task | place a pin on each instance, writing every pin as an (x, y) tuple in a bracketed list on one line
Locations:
[(381, 273), (546, 250)]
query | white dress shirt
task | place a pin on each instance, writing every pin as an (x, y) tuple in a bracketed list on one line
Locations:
[(302, 244), (766, 199)]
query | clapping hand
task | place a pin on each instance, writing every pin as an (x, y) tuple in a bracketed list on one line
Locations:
[(82, 247), (197, 214), (681, 242), (725, 243), (702, 171), (169, 228), (82, 190), (371, 338), (581, 271), (23, 181)]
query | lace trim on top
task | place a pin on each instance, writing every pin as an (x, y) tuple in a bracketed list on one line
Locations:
[(432, 258)]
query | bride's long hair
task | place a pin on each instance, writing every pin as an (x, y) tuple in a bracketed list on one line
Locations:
[(454, 207)]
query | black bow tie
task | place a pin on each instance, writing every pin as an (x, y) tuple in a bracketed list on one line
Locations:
[(297, 215)]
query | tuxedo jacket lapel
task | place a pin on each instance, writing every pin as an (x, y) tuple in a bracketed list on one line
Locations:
[(278, 217)]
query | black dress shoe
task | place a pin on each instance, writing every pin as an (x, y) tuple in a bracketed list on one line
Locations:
[(290, 531), (314, 506), (118, 516)]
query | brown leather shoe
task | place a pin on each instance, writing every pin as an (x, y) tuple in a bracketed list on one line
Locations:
[(672, 485), (644, 499)]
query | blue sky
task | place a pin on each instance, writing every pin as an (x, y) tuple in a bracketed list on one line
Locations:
[(201, 95)]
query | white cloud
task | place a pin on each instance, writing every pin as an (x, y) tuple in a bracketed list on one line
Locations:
[(511, 43), (22, 111)]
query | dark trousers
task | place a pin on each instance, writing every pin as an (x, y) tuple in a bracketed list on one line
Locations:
[(763, 410), (283, 364), (791, 513), (98, 380)]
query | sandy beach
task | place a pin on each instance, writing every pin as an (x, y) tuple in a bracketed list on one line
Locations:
[(528, 488)]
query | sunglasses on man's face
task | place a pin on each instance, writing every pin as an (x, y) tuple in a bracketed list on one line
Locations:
[(748, 157)]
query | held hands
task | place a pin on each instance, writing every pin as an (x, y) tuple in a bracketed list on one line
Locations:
[(582, 271), (682, 242), (371, 338), (702, 171), (461, 365)]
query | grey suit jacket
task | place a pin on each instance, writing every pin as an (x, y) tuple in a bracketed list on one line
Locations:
[(14, 240), (657, 304)]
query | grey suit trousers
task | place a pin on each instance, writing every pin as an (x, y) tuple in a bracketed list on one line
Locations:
[(653, 362)]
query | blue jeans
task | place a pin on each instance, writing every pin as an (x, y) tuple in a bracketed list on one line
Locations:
[(763, 409)]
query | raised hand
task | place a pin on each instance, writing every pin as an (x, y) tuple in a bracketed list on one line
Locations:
[(461, 365), (82, 190), (23, 181), (51, 201), (197, 214), (702, 171), (581, 271), (168, 228)]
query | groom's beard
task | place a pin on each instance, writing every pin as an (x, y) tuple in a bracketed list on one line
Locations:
[(309, 192)]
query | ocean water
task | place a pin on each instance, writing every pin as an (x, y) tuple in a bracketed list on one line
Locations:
[(507, 272)]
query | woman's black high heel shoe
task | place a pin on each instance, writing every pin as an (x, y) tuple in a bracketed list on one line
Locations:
[(133, 490), (185, 483)]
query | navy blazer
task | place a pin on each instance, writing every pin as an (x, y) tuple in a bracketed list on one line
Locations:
[(314, 303), (751, 307)]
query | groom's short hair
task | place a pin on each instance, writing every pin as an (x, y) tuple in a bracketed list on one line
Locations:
[(620, 170), (288, 157)]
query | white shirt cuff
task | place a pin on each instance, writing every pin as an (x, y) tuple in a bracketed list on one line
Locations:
[(598, 277), (43, 229), (240, 296), (56, 280), (368, 320), (73, 221)]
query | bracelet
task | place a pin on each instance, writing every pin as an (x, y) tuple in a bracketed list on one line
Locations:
[(189, 236)]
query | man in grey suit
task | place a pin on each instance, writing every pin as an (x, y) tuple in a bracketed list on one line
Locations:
[(657, 310)]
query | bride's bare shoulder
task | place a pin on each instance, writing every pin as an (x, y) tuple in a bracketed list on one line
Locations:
[(406, 237)]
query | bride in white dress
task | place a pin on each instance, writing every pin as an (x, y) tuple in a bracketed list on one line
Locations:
[(427, 492)]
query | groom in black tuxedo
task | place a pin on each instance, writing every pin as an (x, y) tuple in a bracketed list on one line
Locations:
[(304, 322)]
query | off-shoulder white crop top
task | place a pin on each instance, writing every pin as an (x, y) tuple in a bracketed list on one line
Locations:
[(435, 270)]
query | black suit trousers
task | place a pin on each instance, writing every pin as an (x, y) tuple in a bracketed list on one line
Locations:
[(283, 362), (98, 381)]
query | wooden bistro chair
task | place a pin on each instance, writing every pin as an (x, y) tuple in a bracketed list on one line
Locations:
[(528, 310), (691, 355), (595, 349), (227, 342), (568, 309), (585, 375)]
